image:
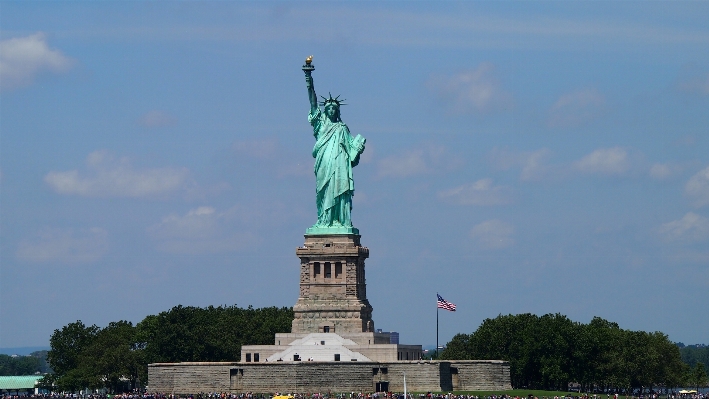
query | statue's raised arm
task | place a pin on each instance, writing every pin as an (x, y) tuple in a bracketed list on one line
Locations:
[(308, 69)]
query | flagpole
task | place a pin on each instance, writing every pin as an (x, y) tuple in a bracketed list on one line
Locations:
[(436, 326)]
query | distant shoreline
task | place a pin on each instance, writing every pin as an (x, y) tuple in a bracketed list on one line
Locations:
[(23, 350)]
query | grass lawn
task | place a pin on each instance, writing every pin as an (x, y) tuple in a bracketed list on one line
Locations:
[(522, 393)]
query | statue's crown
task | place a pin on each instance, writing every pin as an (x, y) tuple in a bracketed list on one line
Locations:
[(331, 100)]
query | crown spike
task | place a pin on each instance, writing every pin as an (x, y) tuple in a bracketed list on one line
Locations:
[(329, 100)]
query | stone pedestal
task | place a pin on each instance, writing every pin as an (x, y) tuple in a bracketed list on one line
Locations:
[(333, 293)]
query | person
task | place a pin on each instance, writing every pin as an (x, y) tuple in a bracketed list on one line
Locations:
[(336, 152)]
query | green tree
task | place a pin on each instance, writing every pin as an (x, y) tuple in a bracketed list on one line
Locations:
[(43, 363), (67, 345), (116, 356), (692, 354), (113, 357), (698, 376), (540, 349), (505, 337), (19, 365), (670, 370), (549, 351), (597, 357), (458, 348), (209, 334)]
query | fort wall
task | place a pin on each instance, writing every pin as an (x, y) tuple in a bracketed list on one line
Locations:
[(303, 377)]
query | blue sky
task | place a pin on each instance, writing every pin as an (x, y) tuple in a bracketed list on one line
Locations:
[(534, 157)]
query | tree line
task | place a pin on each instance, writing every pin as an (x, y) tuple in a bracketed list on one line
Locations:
[(550, 351), (545, 352), (36, 362), (693, 354), (116, 356)]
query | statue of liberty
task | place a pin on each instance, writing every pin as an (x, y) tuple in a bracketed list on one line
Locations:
[(336, 152)]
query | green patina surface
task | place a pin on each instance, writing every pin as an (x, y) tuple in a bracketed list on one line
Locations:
[(316, 230), (336, 152)]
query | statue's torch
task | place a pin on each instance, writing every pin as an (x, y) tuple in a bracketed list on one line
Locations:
[(308, 67)]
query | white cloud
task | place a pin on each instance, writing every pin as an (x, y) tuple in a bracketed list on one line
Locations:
[(65, 246), (475, 90), (534, 167), (608, 161), (418, 161), (615, 161), (201, 230), (533, 164), (110, 177), (156, 118), (493, 234), (482, 192), (577, 108), (23, 58), (691, 227), (198, 222), (697, 187), (662, 171)]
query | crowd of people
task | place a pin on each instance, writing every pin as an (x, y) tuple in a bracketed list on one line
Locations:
[(351, 395)]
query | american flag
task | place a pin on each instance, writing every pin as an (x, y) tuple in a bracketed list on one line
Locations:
[(443, 304)]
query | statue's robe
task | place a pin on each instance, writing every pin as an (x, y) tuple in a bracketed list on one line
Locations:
[(335, 153)]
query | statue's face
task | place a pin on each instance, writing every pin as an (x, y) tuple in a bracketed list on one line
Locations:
[(332, 111)]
